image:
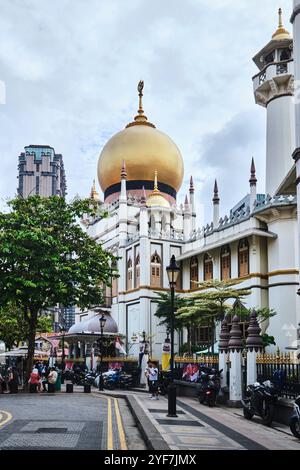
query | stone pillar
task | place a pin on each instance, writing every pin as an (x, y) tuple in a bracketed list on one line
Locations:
[(223, 353), (187, 220), (143, 380), (235, 356), (254, 345)]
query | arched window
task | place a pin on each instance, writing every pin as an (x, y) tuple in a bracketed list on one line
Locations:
[(137, 271), (208, 268), (155, 270), (225, 263), (194, 276), (269, 58), (243, 258), (129, 274)]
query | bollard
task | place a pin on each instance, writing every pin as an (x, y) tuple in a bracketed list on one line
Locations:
[(87, 388), (69, 388)]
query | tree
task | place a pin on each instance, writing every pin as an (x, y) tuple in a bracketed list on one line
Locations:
[(164, 310), (47, 259), (14, 329)]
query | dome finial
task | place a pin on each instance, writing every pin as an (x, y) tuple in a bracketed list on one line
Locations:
[(281, 32), (280, 23), (140, 90), (140, 118)]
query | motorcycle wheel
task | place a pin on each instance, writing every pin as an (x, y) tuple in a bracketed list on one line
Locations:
[(211, 402), (201, 400), (247, 414), (110, 386), (268, 414), (295, 426)]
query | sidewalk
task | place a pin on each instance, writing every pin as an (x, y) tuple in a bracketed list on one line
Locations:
[(198, 427)]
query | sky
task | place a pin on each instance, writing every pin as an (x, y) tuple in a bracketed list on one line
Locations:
[(69, 71)]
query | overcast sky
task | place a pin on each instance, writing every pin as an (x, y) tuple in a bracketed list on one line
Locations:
[(71, 67)]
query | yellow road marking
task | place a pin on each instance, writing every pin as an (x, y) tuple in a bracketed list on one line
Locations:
[(8, 417), (120, 426), (109, 426)]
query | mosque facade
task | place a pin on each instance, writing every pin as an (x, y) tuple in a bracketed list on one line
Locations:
[(140, 172)]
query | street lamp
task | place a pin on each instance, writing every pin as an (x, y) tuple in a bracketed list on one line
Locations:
[(102, 321), (173, 272)]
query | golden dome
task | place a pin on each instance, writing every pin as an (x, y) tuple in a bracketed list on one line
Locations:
[(143, 148), (281, 32), (156, 199)]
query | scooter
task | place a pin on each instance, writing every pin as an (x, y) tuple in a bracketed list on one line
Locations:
[(209, 386), (295, 419), (261, 400)]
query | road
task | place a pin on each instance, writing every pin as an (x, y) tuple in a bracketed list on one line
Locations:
[(76, 421)]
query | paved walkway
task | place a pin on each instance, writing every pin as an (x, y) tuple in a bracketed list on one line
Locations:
[(199, 427)]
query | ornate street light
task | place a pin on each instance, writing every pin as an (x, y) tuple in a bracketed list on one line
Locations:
[(173, 272), (102, 321)]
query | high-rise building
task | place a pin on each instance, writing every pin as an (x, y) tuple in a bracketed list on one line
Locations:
[(41, 171)]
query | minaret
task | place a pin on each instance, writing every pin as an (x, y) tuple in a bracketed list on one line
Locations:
[(216, 202), (273, 89), (187, 219), (94, 194), (296, 155), (252, 182), (192, 202)]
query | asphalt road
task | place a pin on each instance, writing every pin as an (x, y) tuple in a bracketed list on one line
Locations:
[(75, 421)]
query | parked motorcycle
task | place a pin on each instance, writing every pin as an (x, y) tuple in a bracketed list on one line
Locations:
[(209, 386), (295, 419), (164, 381), (261, 400)]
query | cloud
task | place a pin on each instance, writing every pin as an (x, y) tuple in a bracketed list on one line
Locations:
[(70, 70)]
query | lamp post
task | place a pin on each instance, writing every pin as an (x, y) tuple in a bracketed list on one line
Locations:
[(173, 272), (102, 321)]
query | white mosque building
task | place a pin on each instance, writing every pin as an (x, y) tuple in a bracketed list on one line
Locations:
[(140, 172)]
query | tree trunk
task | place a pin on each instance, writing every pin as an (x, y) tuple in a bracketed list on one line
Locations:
[(32, 321)]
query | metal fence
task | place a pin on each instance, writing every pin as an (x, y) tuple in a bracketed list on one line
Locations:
[(282, 369)]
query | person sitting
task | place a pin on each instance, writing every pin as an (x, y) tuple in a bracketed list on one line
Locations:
[(2, 384), (51, 379), (34, 380)]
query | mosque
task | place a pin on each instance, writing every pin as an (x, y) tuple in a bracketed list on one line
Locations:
[(140, 172)]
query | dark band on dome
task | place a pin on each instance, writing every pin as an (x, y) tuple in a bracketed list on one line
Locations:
[(148, 185)]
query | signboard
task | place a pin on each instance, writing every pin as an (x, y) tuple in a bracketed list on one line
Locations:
[(190, 372)]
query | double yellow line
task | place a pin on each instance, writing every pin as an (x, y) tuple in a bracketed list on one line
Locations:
[(122, 439), (7, 417)]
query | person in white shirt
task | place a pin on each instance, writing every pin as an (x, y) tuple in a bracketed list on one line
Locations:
[(153, 381)]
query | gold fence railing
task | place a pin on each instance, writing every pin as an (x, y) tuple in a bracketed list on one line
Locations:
[(198, 360), (276, 358)]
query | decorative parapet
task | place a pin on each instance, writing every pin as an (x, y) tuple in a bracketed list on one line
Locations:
[(166, 235), (224, 223), (275, 201)]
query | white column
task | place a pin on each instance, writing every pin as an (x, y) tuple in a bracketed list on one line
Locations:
[(223, 356), (235, 389), (280, 141), (143, 380)]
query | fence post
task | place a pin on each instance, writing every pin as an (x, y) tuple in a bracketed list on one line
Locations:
[(254, 346), (235, 347), (223, 353)]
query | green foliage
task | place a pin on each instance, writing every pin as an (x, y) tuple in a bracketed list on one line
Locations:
[(211, 304), (187, 348), (14, 328), (268, 340), (164, 309), (46, 258)]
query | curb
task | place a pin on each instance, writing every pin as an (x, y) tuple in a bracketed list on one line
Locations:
[(150, 434)]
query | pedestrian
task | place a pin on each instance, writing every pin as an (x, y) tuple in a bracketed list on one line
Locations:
[(51, 379), (2, 383), (147, 374), (34, 381), (13, 380), (153, 379)]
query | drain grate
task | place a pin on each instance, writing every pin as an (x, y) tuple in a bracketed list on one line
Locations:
[(152, 410), (52, 430)]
